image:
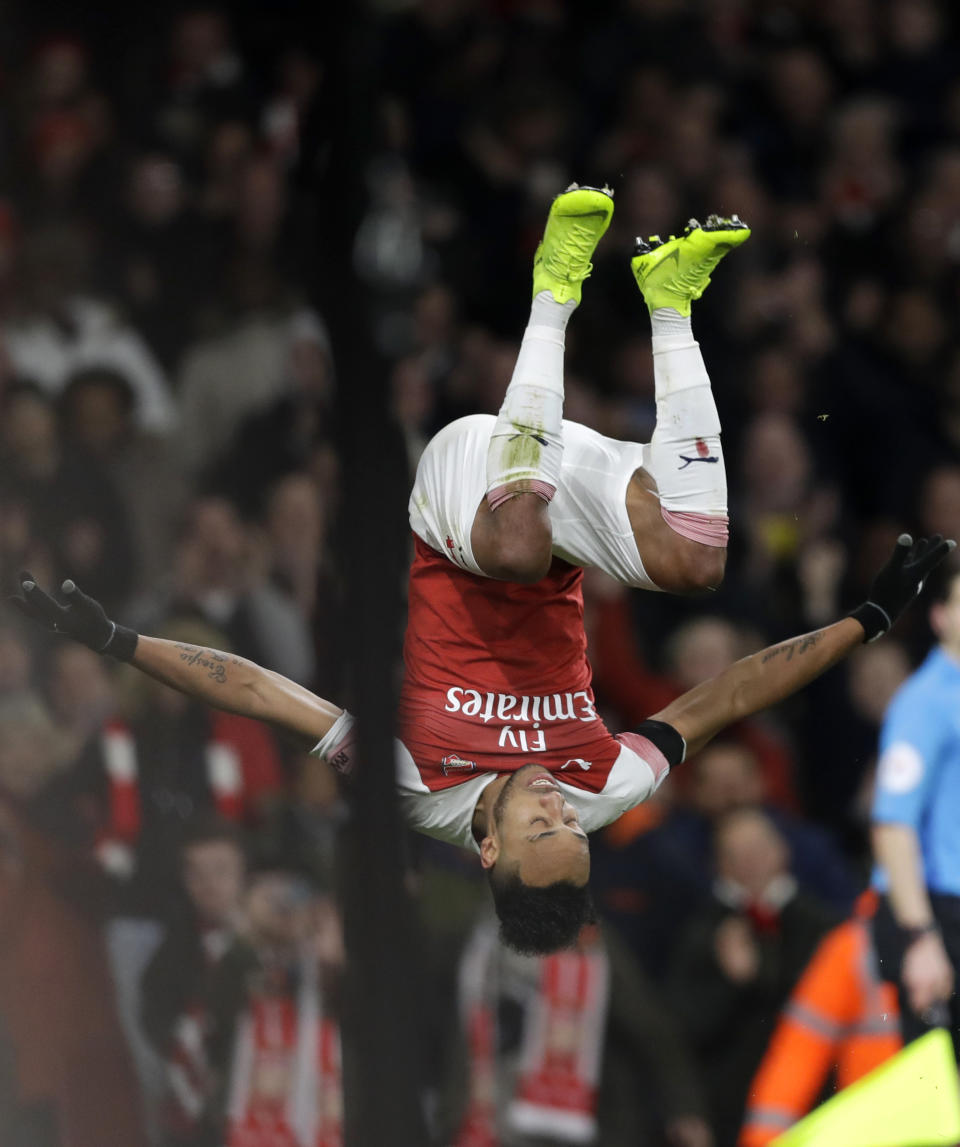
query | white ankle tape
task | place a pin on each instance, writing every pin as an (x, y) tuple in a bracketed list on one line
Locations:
[(554, 335), (667, 323), (677, 365), (547, 312)]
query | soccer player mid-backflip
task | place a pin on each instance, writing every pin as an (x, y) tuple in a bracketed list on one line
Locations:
[(499, 746)]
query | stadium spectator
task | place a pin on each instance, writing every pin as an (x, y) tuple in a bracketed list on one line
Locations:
[(291, 431), (244, 368), (33, 751), (939, 502), (697, 650), (67, 1075), (161, 259), (779, 475), (412, 400), (192, 87), (726, 776), (58, 327), (301, 834), (70, 506), (643, 886), (275, 1031), (216, 580), (739, 959), (283, 117), (16, 659), (835, 792), (98, 425), (568, 1048), (80, 693), (157, 766), (66, 129), (176, 985)]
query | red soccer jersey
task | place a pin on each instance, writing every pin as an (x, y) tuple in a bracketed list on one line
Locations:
[(497, 677)]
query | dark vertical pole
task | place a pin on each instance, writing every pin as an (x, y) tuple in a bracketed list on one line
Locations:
[(381, 1060)]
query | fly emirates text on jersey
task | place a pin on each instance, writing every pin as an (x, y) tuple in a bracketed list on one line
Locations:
[(533, 711)]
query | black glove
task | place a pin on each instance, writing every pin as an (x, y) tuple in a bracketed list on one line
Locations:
[(80, 617), (899, 582)]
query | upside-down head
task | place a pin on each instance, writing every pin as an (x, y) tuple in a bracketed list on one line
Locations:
[(538, 860)]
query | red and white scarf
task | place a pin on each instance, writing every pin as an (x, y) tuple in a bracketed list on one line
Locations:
[(189, 1075), (555, 1089), (117, 839), (286, 1088)]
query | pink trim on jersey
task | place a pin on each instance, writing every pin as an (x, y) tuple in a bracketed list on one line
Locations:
[(646, 749), (501, 494), (710, 529)]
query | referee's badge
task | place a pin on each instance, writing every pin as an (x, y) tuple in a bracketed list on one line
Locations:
[(900, 768)]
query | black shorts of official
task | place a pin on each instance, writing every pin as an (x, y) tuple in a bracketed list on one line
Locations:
[(891, 943)]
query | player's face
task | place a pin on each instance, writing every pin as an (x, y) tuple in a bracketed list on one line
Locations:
[(538, 830), (213, 876)]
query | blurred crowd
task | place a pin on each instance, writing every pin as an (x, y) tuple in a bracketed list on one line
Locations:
[(170, 948)]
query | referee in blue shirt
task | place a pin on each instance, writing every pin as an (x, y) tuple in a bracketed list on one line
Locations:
[(916, 827)]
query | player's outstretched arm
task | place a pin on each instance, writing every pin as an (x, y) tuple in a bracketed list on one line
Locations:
[(222, 680), (767, 677), (758, 681), (226, 681)]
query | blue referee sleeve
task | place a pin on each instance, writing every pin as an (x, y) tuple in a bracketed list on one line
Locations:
[(911, 741)]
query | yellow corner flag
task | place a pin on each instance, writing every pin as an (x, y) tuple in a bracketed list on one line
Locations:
[(912, 1100)]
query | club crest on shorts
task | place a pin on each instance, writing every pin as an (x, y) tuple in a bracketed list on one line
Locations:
[(454, 763)]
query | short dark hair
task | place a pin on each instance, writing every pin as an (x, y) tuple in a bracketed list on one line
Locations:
[(538, 921)]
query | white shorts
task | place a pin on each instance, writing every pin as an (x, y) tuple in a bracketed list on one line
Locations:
[(588, 513)]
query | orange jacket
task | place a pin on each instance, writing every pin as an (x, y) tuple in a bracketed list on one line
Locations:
[(841, 1016)]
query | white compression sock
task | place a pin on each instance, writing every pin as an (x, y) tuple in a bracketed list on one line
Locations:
[(526, 445), (686, 458)]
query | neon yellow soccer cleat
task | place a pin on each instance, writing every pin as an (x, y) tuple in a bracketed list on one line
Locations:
[(576, 223), (674, 273)]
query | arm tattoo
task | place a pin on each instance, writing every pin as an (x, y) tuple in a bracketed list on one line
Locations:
[(209, 659), (798, 646)]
